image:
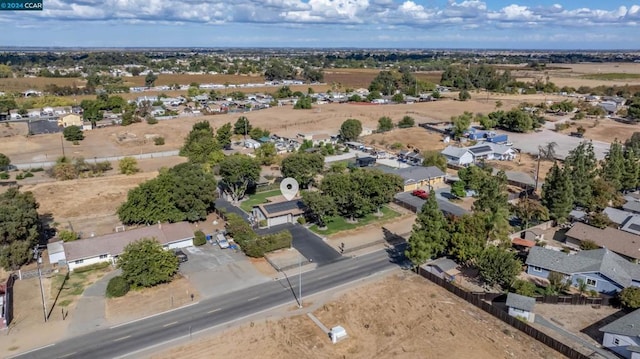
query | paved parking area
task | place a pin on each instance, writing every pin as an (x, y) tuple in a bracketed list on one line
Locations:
[(309, 244), (214, 271)]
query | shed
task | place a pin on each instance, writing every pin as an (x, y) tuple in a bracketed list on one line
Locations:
[(444, 268), (56, 252), (337, 334), (521, 306)]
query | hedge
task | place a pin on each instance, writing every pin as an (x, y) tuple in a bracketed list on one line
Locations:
[(252, 244), (117, 287), (200, 238)]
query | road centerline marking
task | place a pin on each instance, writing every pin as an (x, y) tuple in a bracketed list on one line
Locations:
[(215, 310), (123, 338), (252, 299), (67, 355), (172, 323)]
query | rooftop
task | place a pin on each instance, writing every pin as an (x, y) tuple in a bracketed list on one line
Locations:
[(276, 209), (628, 325), (114, 243), (625, 243), (445, 264), (520, 302)]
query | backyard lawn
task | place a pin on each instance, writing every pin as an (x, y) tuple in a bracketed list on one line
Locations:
[(338, 224), (258, 198)]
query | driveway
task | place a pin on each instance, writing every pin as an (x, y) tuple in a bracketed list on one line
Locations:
[(308, 243), (214, 271)]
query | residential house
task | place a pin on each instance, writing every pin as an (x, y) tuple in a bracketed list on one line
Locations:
[(622, 336), (107, 248), (609, 107), (624, 243), (414, 203), (70, 120), (442, 267), (278, 211), (87, 126), (519, 179), (521, 306), (600, 269), (532, 234), (319, 138), (457, 156), (416, 177), (626, 221), (251, 143), (492, 151), (414, 158), (157, 111)]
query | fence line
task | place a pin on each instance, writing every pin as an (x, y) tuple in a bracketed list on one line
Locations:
[(7, 308), (477, 299)]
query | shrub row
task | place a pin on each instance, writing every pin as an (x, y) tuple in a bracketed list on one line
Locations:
[(249, 241)]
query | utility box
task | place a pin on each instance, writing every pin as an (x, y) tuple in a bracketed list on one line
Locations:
[(337, 334)]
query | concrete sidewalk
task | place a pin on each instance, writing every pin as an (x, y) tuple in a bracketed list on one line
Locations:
[(89, 313)]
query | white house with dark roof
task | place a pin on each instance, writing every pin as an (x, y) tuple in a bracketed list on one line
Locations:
[(601, 269), (107, 248), (463, 156), (622, 336), (457, 155), (521, 306)]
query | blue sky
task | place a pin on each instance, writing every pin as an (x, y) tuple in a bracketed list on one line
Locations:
[(517, 24)]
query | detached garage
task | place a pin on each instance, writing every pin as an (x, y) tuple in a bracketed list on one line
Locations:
[(276, 213)]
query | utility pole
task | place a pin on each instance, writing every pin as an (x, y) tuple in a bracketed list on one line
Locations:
[(36, 256), (537, 170), (62, 144)]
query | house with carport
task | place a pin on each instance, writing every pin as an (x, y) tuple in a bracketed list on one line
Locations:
[(600, 269), (107, 248), (622, 336)]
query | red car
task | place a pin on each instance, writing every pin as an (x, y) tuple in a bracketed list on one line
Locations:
[(420, 193)]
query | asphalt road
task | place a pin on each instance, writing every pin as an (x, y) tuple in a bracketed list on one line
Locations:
[(130, 340)]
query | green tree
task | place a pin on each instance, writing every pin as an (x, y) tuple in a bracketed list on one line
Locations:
[(581, 166), (7, 103), (258, 133), (468, 237), (68, 236), (613, 165), (238, 172), (397, 98), (600, 220), (150, 79), (464, 95), (200, 143), (461, 124), (516, 120), (302, 166), (199, 238), (378, 186), (223, 135), (145, 263), (498, 266), (588, 245), (350, 130), (524, 287), (348, 195), (185, 192), (473, 176), (320, 207), (385, 124), (528, 209), (19, 228), (242, 126), (457, 189), (435, 158), (117, 287), (558, 283), (406, 122), (5, 162), (429, 237), (303, 103), (73, 133), (630, 297), (128, 166), (557, 194), (266, 154), (631, 175)]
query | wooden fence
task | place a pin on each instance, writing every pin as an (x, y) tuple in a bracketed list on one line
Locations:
[(478, 300)]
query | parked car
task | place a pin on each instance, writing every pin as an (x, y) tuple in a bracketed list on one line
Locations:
[(420, 193), (182, 257)]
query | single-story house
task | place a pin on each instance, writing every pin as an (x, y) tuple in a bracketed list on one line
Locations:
[(519, 179), (107, 248), (157, 111), (70, 120), (532, 234), (577, 215), (414, 203), (279, 212), (443, 267), (521, 306), (319, 138), (416, 177), (624, 243), (622, 336), (457, 156), (601, 269), (414, 158), (492, 151)]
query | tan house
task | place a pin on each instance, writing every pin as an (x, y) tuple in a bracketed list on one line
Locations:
[(416, 177), (70, 120), (623, 243)]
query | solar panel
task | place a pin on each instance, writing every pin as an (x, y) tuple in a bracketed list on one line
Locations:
[(480, 149), (283, 206), (635, 227)]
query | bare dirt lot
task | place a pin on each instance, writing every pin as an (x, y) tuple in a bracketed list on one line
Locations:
[(88, 204), (401, 316), (576, 75), (605, 130)]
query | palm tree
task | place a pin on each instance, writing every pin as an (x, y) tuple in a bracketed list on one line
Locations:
[(582, 286)]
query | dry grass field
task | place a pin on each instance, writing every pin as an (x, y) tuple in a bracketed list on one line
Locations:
[(402, 316)]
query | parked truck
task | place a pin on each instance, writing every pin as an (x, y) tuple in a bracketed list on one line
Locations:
[(222, 241)]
